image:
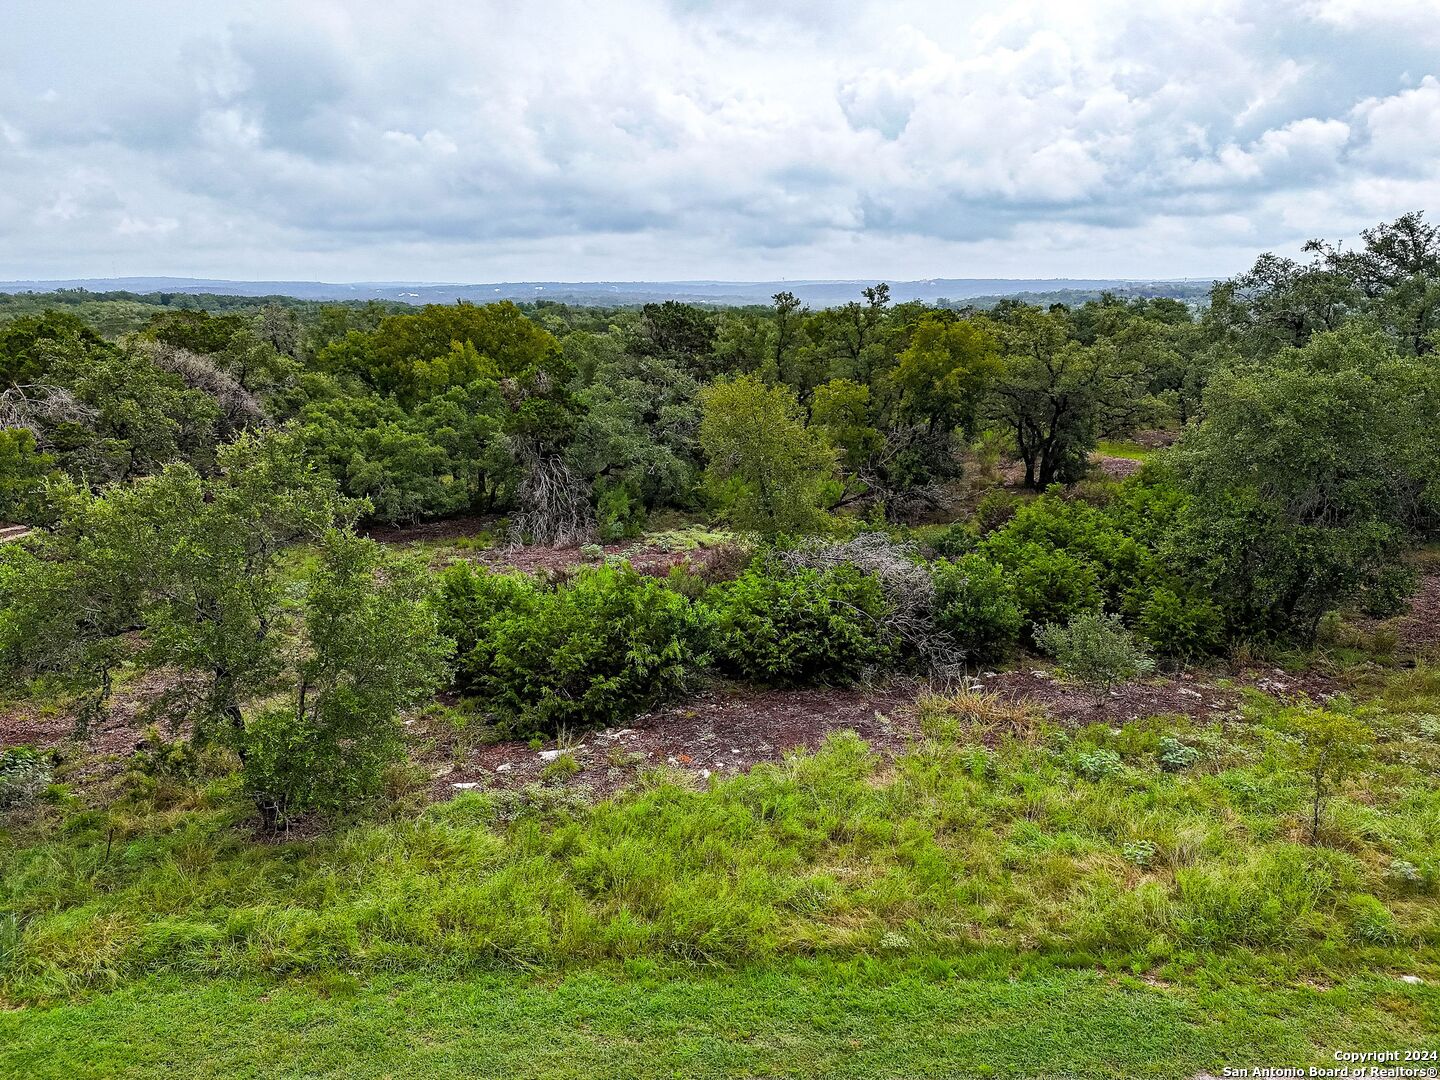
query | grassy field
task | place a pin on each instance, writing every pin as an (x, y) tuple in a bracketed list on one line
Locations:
[(797, 1018), (1119, 448), (1009, 897)]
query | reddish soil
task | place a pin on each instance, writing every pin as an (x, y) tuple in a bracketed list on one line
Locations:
[(430, 531), (1194, 694), (729, 728), (1419, 628), (109, 742), (1115, 468), (723, 731)]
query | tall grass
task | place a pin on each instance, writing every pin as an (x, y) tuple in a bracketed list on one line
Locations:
[(986, 835)]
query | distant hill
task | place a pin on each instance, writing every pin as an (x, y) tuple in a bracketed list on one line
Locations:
[(624, 293)]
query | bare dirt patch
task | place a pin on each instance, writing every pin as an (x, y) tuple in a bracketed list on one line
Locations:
[(1418, 629), (724, 730), (107, 744), (1200, 695), (1116, 468)]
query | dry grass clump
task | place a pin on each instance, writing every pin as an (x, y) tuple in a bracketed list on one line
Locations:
[(976, 716)]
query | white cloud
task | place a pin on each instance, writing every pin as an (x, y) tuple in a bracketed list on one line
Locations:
[(705, 139)]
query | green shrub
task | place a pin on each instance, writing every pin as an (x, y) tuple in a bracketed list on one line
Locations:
[(1175, 756), (1185, 628), (472, 602), (370, 649), (562, 768), (800, 625), (975, 604), (995, 509), (294, 765), (1085, 534), (619, 512), (1096, 650), (1388, 592), (1098, 765), (1050, 585), (957, 538), (598, 650), (160, 765), (25, 773), (685, 581)]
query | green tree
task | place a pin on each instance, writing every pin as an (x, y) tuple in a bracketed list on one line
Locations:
[(24, 471), (68, 595), (637, 439), (29, 344), (840, 411), (1058, 397), (369, 648), (680, 333), (213, 598), (1305, 477), (943, 375), (766, 468), (414, 356)]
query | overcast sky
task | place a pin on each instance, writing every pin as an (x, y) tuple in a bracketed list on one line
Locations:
[(612, 139)]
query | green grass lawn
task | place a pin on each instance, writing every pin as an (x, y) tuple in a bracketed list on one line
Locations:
[(1122, 449), (790, 1019)]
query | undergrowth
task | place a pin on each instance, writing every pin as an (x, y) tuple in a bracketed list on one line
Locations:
[(1157, 843)]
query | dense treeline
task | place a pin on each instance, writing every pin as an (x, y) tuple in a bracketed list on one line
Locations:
[(169, 470)]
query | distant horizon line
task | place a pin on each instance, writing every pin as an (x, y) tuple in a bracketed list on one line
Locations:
[(397, 283)]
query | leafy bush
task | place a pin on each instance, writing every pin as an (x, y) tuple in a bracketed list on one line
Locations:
[(995, 510), (25, 773), (473, 603), (596, 651), (1095, 650), (370, 649), (1175, 756), (958, 538), (619, 513), (801, 625), (1051, 585), (160, 765), (1098, 765), (1185, 628), (975, 604), (1086, 534), (1388, 592), (906, 585)]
